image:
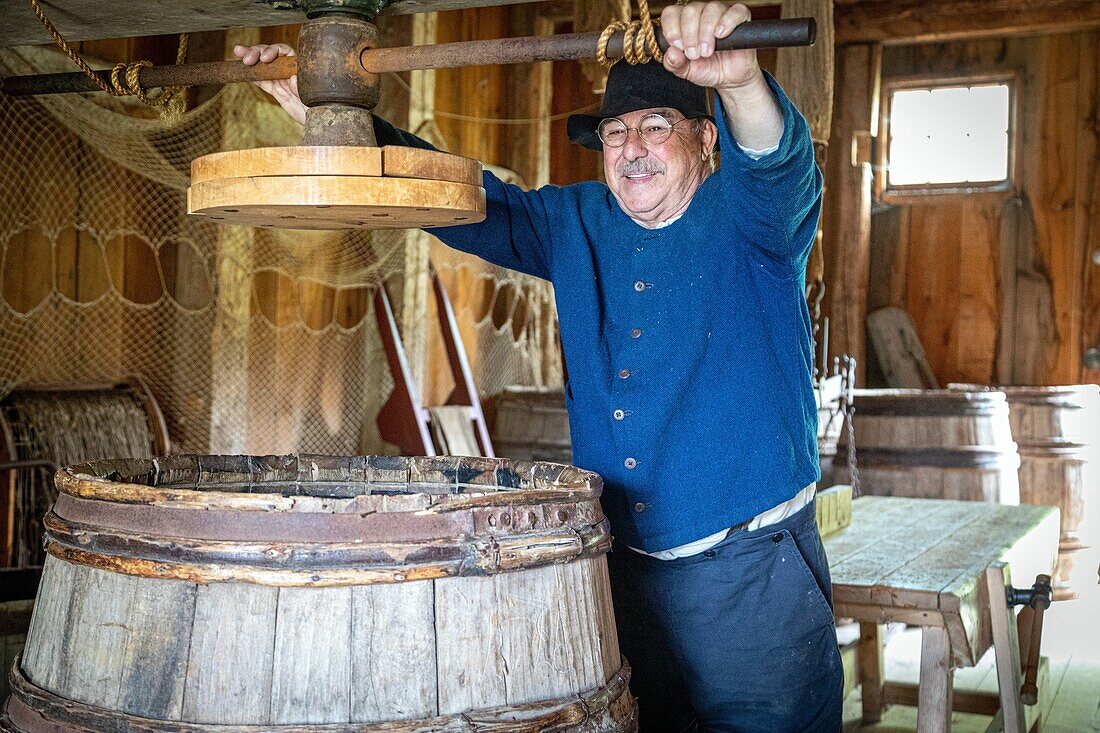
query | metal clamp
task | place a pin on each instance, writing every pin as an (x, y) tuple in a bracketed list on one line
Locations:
[(1037, 600), (1037, 596)]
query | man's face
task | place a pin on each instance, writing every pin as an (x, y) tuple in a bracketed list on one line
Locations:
[(653, 182)]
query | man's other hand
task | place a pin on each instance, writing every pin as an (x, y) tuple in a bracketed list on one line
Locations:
[(285, 91)]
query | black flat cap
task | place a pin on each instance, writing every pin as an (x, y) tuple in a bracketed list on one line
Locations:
[(639, 86)]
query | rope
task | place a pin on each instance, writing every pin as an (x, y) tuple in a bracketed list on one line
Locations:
[(125, 77), (639, 36)]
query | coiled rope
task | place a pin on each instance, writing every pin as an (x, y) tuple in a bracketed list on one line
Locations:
[(125, 77), (639, 36)]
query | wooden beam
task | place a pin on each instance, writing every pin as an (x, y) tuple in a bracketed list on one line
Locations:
[(81, 20), (975, 702), (913, 21), (531, 90), (1006, 647), (807, 74), (1086, 234), (229, 340), (846, 220)]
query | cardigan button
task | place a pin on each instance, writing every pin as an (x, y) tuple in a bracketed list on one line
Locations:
[(636, 333), (618, 414), (624, 373), (630, 463), (639, 507), (639, 286)]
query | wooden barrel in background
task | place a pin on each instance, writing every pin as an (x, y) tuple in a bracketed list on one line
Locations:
[(936, 444), (60, 426), (531, 424), (17, 590), (368, 593), (1058, 432)]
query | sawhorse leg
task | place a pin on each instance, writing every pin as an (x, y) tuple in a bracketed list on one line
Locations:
[(937, 679), (869, 658), (1006, 646)]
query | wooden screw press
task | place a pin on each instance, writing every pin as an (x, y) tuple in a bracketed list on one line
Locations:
[(337, 177)]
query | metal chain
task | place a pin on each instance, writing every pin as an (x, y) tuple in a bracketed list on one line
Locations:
[(816, 293), (849, 416)]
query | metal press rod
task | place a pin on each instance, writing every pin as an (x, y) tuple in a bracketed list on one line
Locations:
[(570, 47), (564, 47)]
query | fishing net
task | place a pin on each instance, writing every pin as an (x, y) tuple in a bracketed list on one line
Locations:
[(252, 340)]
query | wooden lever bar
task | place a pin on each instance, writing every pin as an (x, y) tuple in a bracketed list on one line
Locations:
[(564, 47)]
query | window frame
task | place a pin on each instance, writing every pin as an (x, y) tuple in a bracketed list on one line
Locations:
[(917, 193)]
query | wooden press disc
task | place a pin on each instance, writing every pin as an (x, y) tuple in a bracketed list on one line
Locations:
[(337, 187)]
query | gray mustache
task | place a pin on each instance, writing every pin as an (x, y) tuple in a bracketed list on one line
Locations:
[(641, 166)]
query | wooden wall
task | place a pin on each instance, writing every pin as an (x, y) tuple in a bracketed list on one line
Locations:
[(1000, 286), (572, 91), (489, 113)]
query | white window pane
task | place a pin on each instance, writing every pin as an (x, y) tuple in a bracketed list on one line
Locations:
[(991, 103), (906, 111), (948, 135), (950, 158), (942, 115), (989, 160), (909, 160)]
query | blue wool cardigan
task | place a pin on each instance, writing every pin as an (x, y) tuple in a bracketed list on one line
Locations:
[(688, 347)]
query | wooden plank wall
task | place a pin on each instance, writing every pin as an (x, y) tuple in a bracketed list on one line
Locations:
[(945, 259), (571, 163), (488, 113), (464, 99)]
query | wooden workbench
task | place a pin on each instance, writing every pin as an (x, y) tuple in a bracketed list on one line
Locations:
[(931, 563)]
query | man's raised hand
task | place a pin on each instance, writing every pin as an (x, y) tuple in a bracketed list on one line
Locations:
[(692, 31)]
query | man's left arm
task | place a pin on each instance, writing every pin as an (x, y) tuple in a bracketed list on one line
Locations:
[(778, 194), (693, 30), (752, 114)]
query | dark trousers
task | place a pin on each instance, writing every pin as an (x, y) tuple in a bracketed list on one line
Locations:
[(738, 638)]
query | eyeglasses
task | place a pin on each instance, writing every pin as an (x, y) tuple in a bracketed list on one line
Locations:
[(654, 129)]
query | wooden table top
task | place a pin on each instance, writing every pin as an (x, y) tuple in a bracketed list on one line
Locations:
[(921, 561)]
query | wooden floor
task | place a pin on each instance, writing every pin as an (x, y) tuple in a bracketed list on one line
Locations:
[(1071, 641)]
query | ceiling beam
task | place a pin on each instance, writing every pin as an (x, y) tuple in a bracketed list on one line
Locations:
[(895, 22), (86, 20)]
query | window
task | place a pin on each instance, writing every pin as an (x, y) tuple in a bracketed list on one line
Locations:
[(947, 137)]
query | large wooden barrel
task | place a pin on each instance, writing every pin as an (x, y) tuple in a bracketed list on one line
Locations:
[(531, 424), (1058, 431), (938, 444), (363, 594), (17, 590)]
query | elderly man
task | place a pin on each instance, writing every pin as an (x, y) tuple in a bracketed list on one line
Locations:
[(680, 296)]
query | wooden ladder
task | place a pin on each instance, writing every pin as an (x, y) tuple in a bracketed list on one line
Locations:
[(404, 420)]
